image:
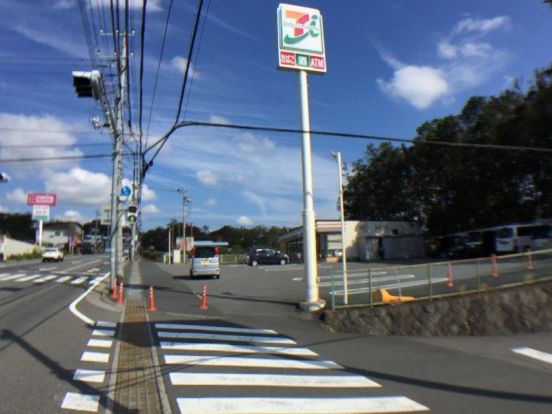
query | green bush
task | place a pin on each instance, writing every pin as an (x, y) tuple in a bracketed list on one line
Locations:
[(36, 254)]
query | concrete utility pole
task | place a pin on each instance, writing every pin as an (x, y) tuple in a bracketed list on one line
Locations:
[(337, 157), (185, 201), (313, 301), (116, 218)]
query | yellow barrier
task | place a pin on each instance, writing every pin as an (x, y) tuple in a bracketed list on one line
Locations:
[(383, 296)]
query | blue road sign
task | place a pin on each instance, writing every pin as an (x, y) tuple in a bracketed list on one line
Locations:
[(125, 191)]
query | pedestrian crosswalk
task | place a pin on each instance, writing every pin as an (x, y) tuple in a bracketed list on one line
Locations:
[(251, 370), (42, 278)]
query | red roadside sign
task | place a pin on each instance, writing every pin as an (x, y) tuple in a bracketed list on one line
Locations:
[(44, 199)]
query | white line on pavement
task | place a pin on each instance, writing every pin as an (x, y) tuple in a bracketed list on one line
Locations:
[(103, 332), (89, 375), (63, 279), (237, 338), (236, 349), (393, 286), (533, 353), (190, 327), (79, 280), (212, 360), (45, 279), (100, 343), (271, 380), (81, 402), (95, 357), (73, 305), (26, 279), (106, 324), (339, 280), (11, 277), (269, 405)]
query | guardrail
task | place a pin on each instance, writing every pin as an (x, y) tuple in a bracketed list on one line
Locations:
[(396, 284)]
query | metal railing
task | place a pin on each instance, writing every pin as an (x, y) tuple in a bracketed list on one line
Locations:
[(397, 284)]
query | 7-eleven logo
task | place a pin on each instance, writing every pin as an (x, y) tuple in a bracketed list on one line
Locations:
[(303, 25)]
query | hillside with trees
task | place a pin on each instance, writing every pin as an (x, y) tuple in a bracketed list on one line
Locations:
[(451, 188)]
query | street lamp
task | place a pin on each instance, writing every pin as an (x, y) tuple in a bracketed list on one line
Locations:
[(337, 156), (185, 201)]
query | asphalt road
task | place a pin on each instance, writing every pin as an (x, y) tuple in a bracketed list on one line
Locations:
[(41, 342), (251, 347), (446, 375)]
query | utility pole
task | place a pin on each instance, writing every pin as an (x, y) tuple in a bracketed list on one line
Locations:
[(185, 200), (337, 157), (96, 231)]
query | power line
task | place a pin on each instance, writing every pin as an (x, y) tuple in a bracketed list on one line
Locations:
[(44, 145), (163, 139), (59, 158)]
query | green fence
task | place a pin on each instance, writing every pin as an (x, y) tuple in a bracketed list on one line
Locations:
[(395, 284)]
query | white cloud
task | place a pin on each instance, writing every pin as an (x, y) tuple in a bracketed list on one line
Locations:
[(17, 195), (3, 209), (248, 143), (418, 85), (71, 215), (244, 221), (256, 199), (179, 63), (216, 119), (482, 25), (207, 178), (64, 4), (150, 209), (35, 133), (54, 39), (211, 202), (79, 186), (446, 50)]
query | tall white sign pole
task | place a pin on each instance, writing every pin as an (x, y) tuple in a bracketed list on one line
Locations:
[(312, 300), (40, 227)]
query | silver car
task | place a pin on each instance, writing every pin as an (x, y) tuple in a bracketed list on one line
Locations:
[(205, 262)]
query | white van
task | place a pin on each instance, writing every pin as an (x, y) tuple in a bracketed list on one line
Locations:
[(205, 262), (515, 238)]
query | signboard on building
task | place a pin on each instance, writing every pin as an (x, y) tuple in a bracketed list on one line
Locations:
[(44, 199), (41, 212), (301, 39)]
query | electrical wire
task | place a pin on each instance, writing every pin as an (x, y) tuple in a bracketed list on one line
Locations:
[(59, 158)]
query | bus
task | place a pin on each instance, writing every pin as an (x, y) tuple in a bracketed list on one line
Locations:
[(515, 238)]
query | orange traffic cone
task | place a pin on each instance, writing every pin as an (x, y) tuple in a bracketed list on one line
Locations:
[(449, 276), (121, 290), (114, 291), (203, 304), (530, 261), (151, 301), (494, 266)]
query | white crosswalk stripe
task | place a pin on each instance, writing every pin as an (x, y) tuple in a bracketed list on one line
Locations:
[(63, 279), (79, 281), (276, 365), (45, 279), (533, 353), (28, 278), (12, 277), (81, 402)]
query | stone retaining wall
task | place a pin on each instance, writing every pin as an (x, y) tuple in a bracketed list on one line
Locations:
[(501, 312)]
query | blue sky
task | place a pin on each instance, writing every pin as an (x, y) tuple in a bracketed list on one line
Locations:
[(392, 64)]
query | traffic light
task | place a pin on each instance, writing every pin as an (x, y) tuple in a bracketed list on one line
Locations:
[(131, 214), (87, 84)]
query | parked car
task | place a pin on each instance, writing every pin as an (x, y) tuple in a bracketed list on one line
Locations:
[(205, 262), (542, 238), (52, 254), (451, 247), (267, 256)]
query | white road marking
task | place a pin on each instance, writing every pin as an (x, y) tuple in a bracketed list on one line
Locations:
[(47, 269), (63, 279), (533, 353), (81, 265), (105, 324), (271, 380), (73, 305), (237, 338), (350, 275), (4, 274), (236, 349), (11, 277), (95, 357), (79, 281), (189, 327), (347, 405), (89, 375), (212, 360), (45, 279), (100, 343), (81, 402), (91, 282), (103, 332), (287, 267), (26, 279), (94, 269)]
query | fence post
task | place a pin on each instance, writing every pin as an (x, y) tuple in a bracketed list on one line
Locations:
[(429, 281), (398, 285), (370, 286)]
